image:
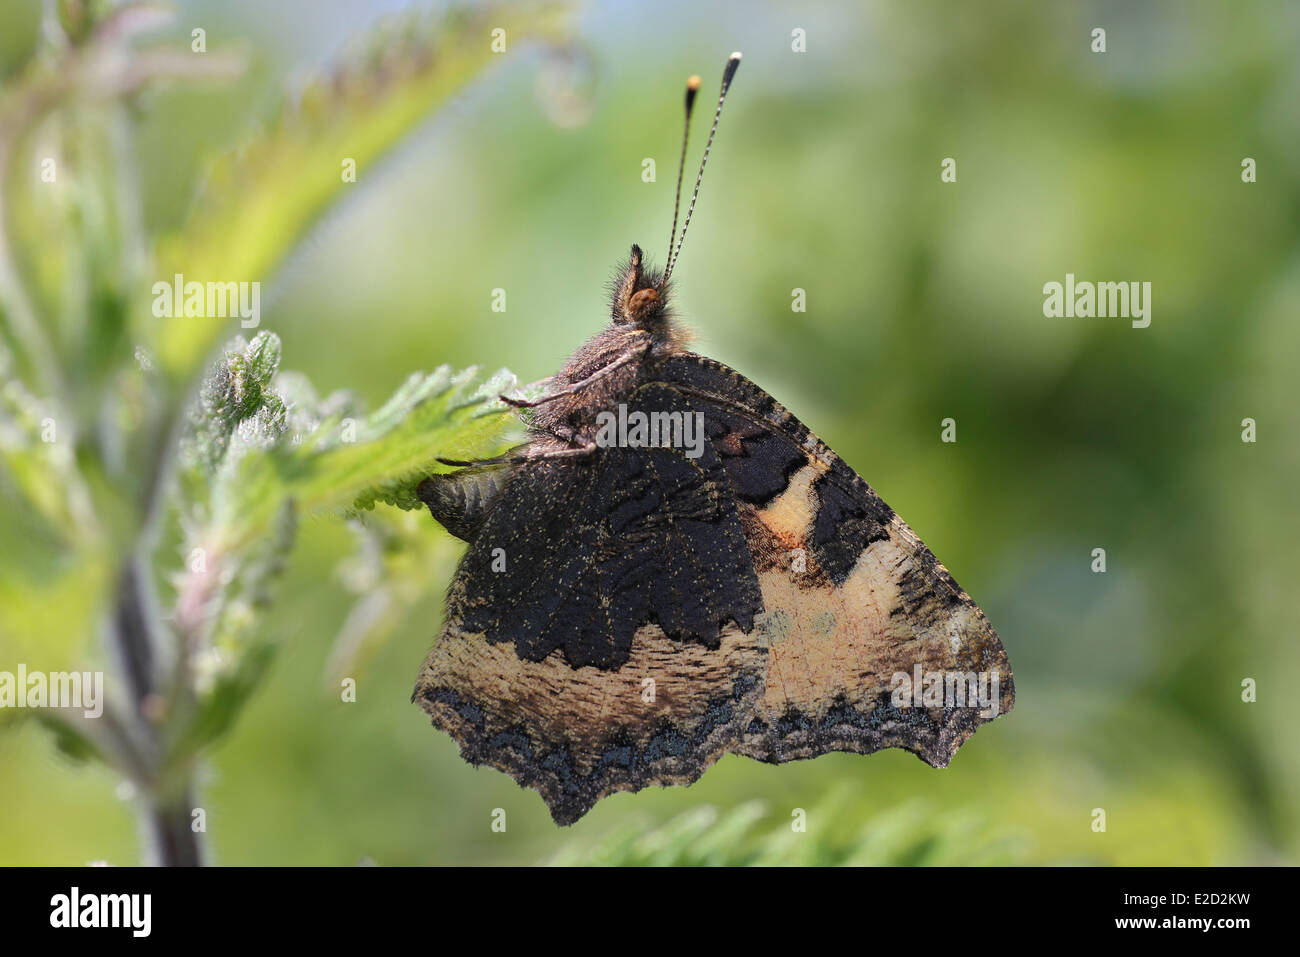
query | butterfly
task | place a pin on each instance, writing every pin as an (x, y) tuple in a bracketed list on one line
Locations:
[(673, 567)]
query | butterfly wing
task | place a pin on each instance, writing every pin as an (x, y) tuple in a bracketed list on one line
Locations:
[(626, 619), (600, 629), (853, 598)]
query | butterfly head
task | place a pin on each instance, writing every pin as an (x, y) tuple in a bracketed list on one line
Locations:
[(640, 295)]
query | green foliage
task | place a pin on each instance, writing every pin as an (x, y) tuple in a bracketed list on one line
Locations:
[(170, 498), (259, 449), (34, 464), (924, 301), (909, 834), (259, 201)]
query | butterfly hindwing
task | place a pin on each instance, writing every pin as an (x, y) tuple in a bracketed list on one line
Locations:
[(626, 618), (852, 597)]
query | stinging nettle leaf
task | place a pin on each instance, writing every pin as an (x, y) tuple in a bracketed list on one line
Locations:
[(261, 448), (258, 202)]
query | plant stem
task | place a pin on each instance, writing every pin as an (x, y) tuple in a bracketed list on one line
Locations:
[(170, 838), (167, 799)]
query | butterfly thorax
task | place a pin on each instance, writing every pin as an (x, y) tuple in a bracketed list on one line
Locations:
[(608, 368)]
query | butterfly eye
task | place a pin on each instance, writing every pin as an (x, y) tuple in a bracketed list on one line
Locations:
[(642, 303)]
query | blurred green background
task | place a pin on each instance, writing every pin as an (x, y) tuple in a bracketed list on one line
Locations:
[(924, 301)]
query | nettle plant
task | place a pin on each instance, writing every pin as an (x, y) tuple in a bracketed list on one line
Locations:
[(152, 467)]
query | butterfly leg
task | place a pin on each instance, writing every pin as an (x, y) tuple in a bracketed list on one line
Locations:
[(518, 458), (624, 359)]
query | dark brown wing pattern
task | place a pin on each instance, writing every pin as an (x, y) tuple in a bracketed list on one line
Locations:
[(852, 597), (627, 619)]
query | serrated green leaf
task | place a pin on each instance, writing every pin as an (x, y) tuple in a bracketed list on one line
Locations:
[(347, 464), (235, 396), (259, 201), (261, 447)]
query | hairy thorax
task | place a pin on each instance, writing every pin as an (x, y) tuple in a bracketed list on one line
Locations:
[(608, 369), (636, 351), (573, 417)]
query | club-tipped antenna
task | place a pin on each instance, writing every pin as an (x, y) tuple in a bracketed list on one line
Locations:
[(729, 71), (692, 88)]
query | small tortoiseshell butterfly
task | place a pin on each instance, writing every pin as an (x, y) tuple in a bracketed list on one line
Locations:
[(629, 611)]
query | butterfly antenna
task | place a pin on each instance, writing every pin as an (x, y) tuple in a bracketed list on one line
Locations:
[(729, 71), (692, 87)]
